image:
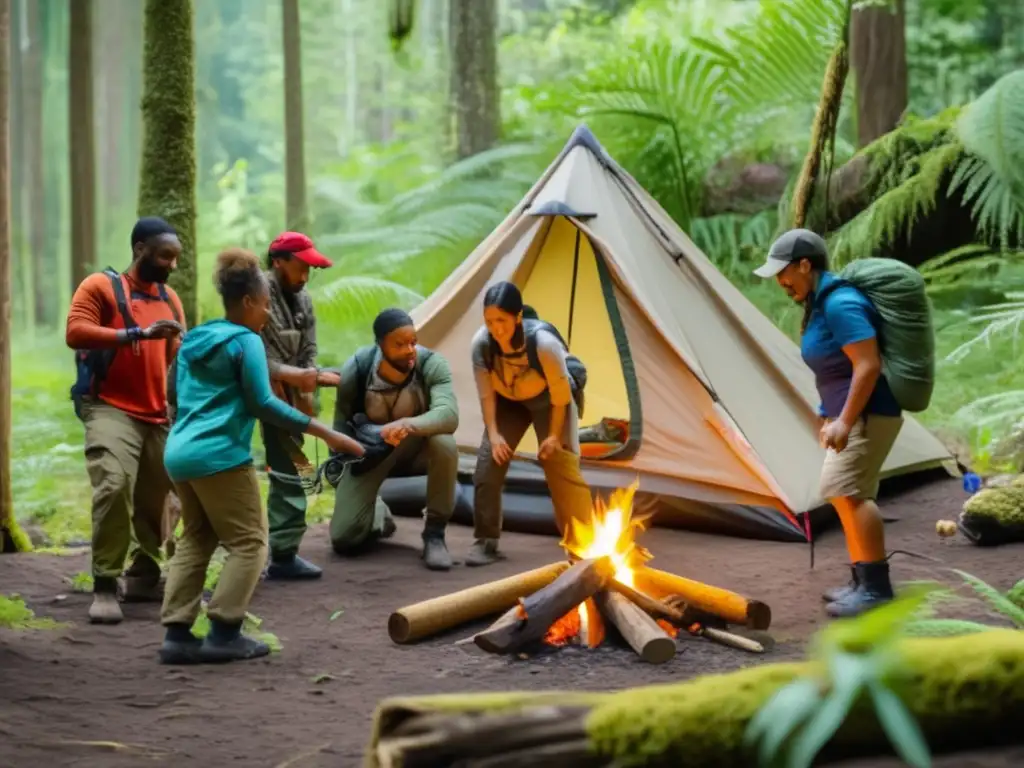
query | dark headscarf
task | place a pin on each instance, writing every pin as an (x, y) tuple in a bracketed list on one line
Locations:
[(390, 320)]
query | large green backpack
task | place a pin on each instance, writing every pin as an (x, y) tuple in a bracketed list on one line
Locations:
[(906, 337)]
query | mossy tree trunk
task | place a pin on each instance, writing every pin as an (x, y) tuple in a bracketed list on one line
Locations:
[(168, 175), (11, 538), (81, 142), (474, 75), (878, 56), (32, 100), (295, 156)]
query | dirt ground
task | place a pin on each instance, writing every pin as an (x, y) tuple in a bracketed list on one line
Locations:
[(311, 704)]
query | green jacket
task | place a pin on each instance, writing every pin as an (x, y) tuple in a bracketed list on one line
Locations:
[(442, 415)]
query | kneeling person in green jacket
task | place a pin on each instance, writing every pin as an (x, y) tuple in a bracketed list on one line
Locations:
[(397, 398), (223, 386)]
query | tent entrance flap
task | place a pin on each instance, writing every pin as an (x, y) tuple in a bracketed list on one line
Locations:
[(564, 286)]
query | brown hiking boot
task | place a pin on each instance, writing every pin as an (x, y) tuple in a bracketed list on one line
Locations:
[(140, 589)]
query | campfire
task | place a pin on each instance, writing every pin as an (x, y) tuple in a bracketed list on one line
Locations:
[(606, 581)]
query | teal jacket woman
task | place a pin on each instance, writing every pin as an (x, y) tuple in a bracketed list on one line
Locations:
[(222, 385)]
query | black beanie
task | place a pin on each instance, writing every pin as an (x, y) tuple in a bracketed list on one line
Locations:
[(388, 321), (150, 226)]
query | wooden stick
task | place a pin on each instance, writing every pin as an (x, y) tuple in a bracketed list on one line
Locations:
[(732, 607), (420, 620), (653, 606), (731, 639), (638, 629), (543, 608)]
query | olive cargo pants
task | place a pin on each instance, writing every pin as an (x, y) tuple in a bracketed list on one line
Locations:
[(125, 461), (570, 493), (224, 509), (359, 512), (286, 499)]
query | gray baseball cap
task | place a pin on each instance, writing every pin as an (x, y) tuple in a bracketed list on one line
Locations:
[(792, 246)]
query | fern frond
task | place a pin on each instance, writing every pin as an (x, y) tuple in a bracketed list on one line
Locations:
[(356, 299), (906, 198), (992, 177), (995, 598)]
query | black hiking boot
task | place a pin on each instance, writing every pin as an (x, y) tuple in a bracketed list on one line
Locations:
[(180, 646), (227, 643), (838, 593), (435, 552), (292, 568), (873, 588)]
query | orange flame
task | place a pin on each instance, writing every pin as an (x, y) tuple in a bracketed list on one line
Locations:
[(611, 531), (670, 629), (565, 630)]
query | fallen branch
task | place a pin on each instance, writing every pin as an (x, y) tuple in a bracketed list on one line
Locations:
[(734, 608)]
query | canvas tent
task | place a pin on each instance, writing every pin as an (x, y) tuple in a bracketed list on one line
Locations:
[(721, 409)]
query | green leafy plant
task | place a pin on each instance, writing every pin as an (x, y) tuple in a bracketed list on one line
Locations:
[(14, 614), (856, 659), (1009, 605)]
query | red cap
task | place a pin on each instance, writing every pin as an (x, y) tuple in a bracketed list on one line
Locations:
[(301, 247)]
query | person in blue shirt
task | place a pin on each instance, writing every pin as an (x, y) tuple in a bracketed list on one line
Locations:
[(860, 417), (222, 386)]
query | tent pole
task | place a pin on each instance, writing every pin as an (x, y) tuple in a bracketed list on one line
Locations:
[(572, 296)]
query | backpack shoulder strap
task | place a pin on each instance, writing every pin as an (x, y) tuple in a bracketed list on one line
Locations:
[(530, 329), (120, 296), (166, 299), (364, 363)]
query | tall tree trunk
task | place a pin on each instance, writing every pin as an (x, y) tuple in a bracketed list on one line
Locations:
[(167, 185), (474, 75), (11, 538), (22, 286), (81, 142), (878, 55), (295, 156), (35, 180)]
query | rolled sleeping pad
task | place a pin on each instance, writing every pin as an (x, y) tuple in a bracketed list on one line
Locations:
[(522, 512)]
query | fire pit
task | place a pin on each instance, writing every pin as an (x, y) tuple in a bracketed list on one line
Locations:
[(606, 581)]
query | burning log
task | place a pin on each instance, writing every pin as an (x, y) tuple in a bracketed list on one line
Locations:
[(544, 607), (653, 606), (643, 634), (420, 620), (734, 608)]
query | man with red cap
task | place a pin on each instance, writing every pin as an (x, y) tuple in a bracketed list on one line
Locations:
[(290, 339)]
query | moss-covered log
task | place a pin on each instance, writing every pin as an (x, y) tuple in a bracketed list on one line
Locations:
[(964, 691), (168, 174)]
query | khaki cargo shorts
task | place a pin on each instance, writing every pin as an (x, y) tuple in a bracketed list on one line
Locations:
[(854, 472)]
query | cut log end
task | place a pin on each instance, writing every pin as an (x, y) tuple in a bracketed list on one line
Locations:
[(399, 628), (759, 615)]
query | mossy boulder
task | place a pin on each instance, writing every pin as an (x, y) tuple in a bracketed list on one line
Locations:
[(995, 515), (963, 691)]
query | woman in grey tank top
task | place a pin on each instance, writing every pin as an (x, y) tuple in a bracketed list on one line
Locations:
[(515, 395)]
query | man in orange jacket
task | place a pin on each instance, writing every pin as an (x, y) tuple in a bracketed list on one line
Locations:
[(125, 329)]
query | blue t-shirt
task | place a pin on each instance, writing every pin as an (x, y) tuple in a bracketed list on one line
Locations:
[(846, 316)]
